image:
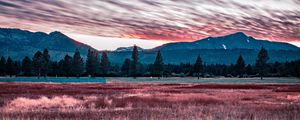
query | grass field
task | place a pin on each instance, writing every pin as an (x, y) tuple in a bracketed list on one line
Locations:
[(126, 98)]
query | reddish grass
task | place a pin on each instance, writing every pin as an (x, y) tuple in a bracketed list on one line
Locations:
[(148, 101)]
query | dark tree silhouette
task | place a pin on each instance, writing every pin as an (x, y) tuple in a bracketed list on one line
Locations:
[(61, 68), (17, 68), (135, 62), (261, 62), (105, 64), (37, 62), (10, 68), (2, 66), (27, 66), (45, 68), (198, 66), (125, 67), (55, 71), (67, 65), (92, 63), (77, 64), (158, 65), (249, 69), (240, 66)]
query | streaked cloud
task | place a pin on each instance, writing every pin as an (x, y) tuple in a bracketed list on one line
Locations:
[(168, 20)]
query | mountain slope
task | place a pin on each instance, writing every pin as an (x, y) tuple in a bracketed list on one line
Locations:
[(216, 50), (19, 43), (233, 41), (213, 50)]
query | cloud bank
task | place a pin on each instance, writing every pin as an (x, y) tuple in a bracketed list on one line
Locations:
[(167, 20)]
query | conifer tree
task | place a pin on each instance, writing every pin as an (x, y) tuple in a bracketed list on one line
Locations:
[(261, 62), (125, 67), (17, 68), (2, 66), (27, 66), (37, 62), (92, 63), (198, 66), (67, 65), (10, 68), (77, 64), (45, 68), (249, 69), (55, 71), (134, 62), (240, 66), (158, 65), (61, 68), (105, 64)]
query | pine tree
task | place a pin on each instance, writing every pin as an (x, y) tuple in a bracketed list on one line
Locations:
[(27, 66), (249, 69), (89, 62), (37, 62), (240, 66), (105, 64), (96, 63), (77, 64), (45, 68), (2, 66), (198, 66), (55, 71), (61, 68), (92, 63), (158, 65), (125, 67), (10, 68), (17, 68), (67, 65), (134, 62), (261, 62)]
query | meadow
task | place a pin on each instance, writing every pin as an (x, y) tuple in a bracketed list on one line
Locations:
[(168, 98)]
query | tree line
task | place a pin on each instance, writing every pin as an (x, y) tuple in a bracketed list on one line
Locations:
[(40, 65)]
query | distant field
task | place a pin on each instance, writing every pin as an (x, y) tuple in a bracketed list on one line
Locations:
[(120, 99), (220, 80), (53, 79)]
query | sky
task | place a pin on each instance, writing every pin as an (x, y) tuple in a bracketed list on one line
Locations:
[(109, 24)]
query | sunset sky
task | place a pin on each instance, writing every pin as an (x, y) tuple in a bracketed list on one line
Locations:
[(108, 24)]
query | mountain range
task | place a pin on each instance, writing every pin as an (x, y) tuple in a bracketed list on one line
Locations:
[(214, 50), (19, 43), (237, 40)]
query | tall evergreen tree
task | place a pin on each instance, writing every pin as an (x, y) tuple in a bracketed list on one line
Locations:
[(105, 64), (2, 66), (158, 65), (45, 68), (27, 66), (198, 66), (261, 62), (249, 69), (37, 62), (89, 62), (240, 66), (77, 64), (92, 63), (125, 67), (10, 68), (135, 62), (61, 68), (55, 71), (17, 68), (297, 68), (67, 65)]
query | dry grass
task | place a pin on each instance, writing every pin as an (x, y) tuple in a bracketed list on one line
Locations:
[(148, 101)]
